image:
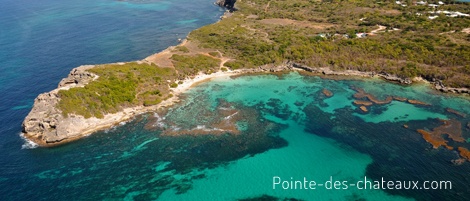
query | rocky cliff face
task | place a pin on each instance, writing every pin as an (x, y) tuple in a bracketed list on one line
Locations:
[(46, 126), (226, 3), (45, 123)]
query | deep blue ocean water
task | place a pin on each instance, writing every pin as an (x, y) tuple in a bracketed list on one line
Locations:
[(41, 41), (288, 128)]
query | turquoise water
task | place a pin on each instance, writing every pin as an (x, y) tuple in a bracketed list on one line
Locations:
[(375, 144), (41, 41), (306, 156), (289, 130), (287, 127)]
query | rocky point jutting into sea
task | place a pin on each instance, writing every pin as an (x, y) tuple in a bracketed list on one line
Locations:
[(258, 117), (47, 125)]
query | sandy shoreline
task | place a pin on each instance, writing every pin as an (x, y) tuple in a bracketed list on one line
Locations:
[(45, 125), (187, 85), (201, 78), (78, 127)]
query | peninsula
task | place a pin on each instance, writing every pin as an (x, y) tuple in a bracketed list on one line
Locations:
[(399, 41)]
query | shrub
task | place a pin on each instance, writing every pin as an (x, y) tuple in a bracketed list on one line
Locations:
[(174, 85), (214, 54), (118, 86), (192, 64), (182, 49)]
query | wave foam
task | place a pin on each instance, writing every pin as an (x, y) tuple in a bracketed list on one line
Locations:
[(159, 122), (28, 144)]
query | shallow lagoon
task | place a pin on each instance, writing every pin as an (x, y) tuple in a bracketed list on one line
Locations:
[(293, 130), (287, 128), (329, 136)]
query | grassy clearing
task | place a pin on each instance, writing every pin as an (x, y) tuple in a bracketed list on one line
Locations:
[(188, 65)]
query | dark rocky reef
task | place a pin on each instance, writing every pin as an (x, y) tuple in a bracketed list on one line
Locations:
[(437, 137), (229, 4), (327, 92)]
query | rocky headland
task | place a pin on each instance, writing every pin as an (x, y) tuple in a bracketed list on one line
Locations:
[(46, 125)]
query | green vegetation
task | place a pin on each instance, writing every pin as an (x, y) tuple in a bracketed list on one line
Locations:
[(188, 65), (322, 34), (314, 33), (181, 49), (238, 64), (214, 54), (174, 85), (118, 86)]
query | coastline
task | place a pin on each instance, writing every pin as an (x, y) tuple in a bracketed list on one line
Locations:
[(78, 127), (206, 134), (45, 117)]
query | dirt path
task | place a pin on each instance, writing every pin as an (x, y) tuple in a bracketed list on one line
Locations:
[(375, 31), (267, 6), (265, 35), (223, 61), (163, 59)]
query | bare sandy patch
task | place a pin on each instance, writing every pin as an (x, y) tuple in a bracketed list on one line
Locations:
[(162, 59)]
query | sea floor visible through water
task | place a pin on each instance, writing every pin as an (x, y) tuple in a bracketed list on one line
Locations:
[(228, 138), (326, 138), (277, 126)]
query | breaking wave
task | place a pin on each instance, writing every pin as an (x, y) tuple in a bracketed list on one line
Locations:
[(28, 144)]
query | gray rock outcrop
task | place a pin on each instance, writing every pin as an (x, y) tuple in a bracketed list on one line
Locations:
[(46, 126), (45, 123), (230, 4), (439, 86)]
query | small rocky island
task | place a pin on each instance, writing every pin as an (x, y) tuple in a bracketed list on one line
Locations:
[(368, 39)]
